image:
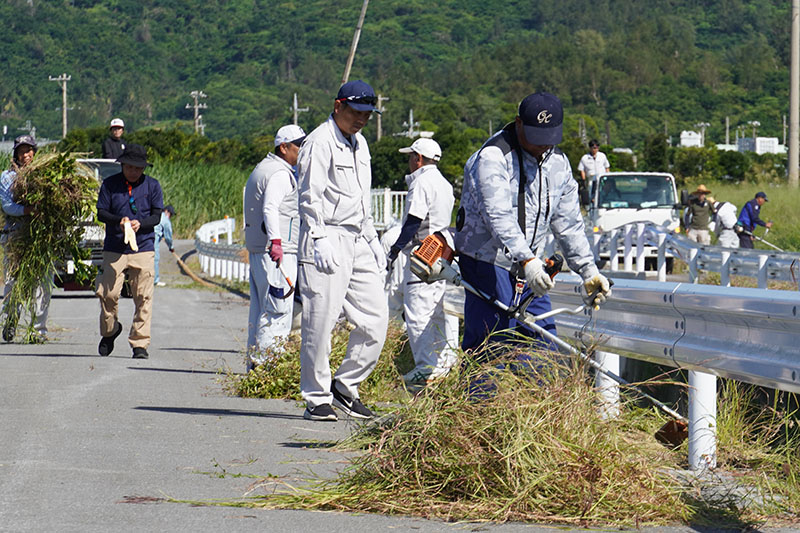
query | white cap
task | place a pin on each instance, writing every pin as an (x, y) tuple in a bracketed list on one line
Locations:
[(117, 122), (289, 134), (424, 147)]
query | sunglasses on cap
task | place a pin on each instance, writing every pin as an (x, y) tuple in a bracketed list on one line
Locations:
[(369, 100)]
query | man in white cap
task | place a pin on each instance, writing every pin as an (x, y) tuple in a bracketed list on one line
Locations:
[(342, 262), (271, 231), (429, 208), (113, 146)]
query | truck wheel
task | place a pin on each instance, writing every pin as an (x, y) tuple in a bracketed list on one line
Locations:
[(670, 264), (126, 288)]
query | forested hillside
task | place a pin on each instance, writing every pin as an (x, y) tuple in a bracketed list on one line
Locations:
[(629, 67)]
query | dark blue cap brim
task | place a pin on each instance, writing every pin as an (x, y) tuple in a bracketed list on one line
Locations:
[(543, 136), (363, 107)]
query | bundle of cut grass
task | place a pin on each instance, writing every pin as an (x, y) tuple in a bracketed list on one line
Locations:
[(279, 376), (527, 448), (63, 194)]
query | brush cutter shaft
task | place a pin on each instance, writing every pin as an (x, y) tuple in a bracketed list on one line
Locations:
[(530, 321)]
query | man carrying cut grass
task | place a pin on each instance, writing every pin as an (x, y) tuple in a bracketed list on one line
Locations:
[(130, 205), (22, 154), (518, 188), (271, 227)]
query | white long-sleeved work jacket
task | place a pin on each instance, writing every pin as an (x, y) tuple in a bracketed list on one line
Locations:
[(270, 198), (335, 177), (487, 224)]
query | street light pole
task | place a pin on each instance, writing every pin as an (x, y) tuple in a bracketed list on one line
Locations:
[(381, 100), (196, 95), (794, 97), (354, 44)]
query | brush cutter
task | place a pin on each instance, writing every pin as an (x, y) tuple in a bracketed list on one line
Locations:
[(432, 261), (756, 237)]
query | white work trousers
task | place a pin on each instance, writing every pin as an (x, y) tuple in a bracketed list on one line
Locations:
[(728, 239), (431, 336), (41, 303), (355, 288), (270, 319)]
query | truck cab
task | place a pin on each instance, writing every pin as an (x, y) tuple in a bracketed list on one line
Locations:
[(621, 198)]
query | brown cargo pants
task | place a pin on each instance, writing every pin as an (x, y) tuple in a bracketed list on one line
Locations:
[(141, 272)]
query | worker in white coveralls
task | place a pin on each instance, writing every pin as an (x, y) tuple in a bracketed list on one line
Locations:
[(342, 263), (520, 166), (271, 234), (428, 209), (725, 219)]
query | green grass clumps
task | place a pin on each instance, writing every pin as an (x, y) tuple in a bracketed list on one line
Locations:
[(279, 377), (531, 449), (63, 194)]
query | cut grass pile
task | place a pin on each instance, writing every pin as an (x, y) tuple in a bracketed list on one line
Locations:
[(535, 449), (63, 194), (279, 377)]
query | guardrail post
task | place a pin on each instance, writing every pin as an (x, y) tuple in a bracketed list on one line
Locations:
[(596, 245), (693, 277), (725, 269), (640, 241), (613, 250), (762, 271), (387, 206), (628, 258), (702, 420), (607, 387), (662, 257)]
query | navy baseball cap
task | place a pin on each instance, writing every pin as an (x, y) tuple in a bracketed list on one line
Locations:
[(763, 195), (358, 95), (542, 117)]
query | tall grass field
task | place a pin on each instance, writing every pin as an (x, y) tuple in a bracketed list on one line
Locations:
[(783, 209)]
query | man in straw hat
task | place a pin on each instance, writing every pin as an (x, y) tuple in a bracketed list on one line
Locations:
[(130, 205), (698, 216)]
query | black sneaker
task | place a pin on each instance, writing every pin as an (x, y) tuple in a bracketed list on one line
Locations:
[(140, 353), (351, 406), (321, 413), (107, 343)]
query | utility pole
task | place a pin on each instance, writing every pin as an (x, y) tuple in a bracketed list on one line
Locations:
[(63, 79), (410, 124), (794, 97), (196, 95), (296, 109), (354, 45), (381, 100), (727, 130)]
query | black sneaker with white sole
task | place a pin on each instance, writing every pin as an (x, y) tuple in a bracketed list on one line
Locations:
[(351, 406), (321, 413)]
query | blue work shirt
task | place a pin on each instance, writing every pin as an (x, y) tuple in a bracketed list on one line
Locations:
[(10, 207), (114, 198), (749, 215)]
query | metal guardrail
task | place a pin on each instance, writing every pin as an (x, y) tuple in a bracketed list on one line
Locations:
[(633, 239), (224, 260), (745, 334), (387, 204)]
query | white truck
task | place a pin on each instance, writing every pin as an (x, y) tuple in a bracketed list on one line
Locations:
[(620, 198)]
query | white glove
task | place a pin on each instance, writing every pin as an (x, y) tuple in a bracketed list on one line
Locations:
[(379, 253), (598, 289), (537, 278), (325, 256), (130, 237)]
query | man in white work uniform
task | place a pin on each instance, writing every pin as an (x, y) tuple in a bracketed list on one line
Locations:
[(725, 219), (592, 166), (429, 208), (271, 233), (342, 263)]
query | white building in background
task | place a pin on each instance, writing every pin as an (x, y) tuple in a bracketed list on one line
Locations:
[(691, 139), (761, 145)]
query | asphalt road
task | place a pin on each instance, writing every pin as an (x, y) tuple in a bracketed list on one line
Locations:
[(95, 444)]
